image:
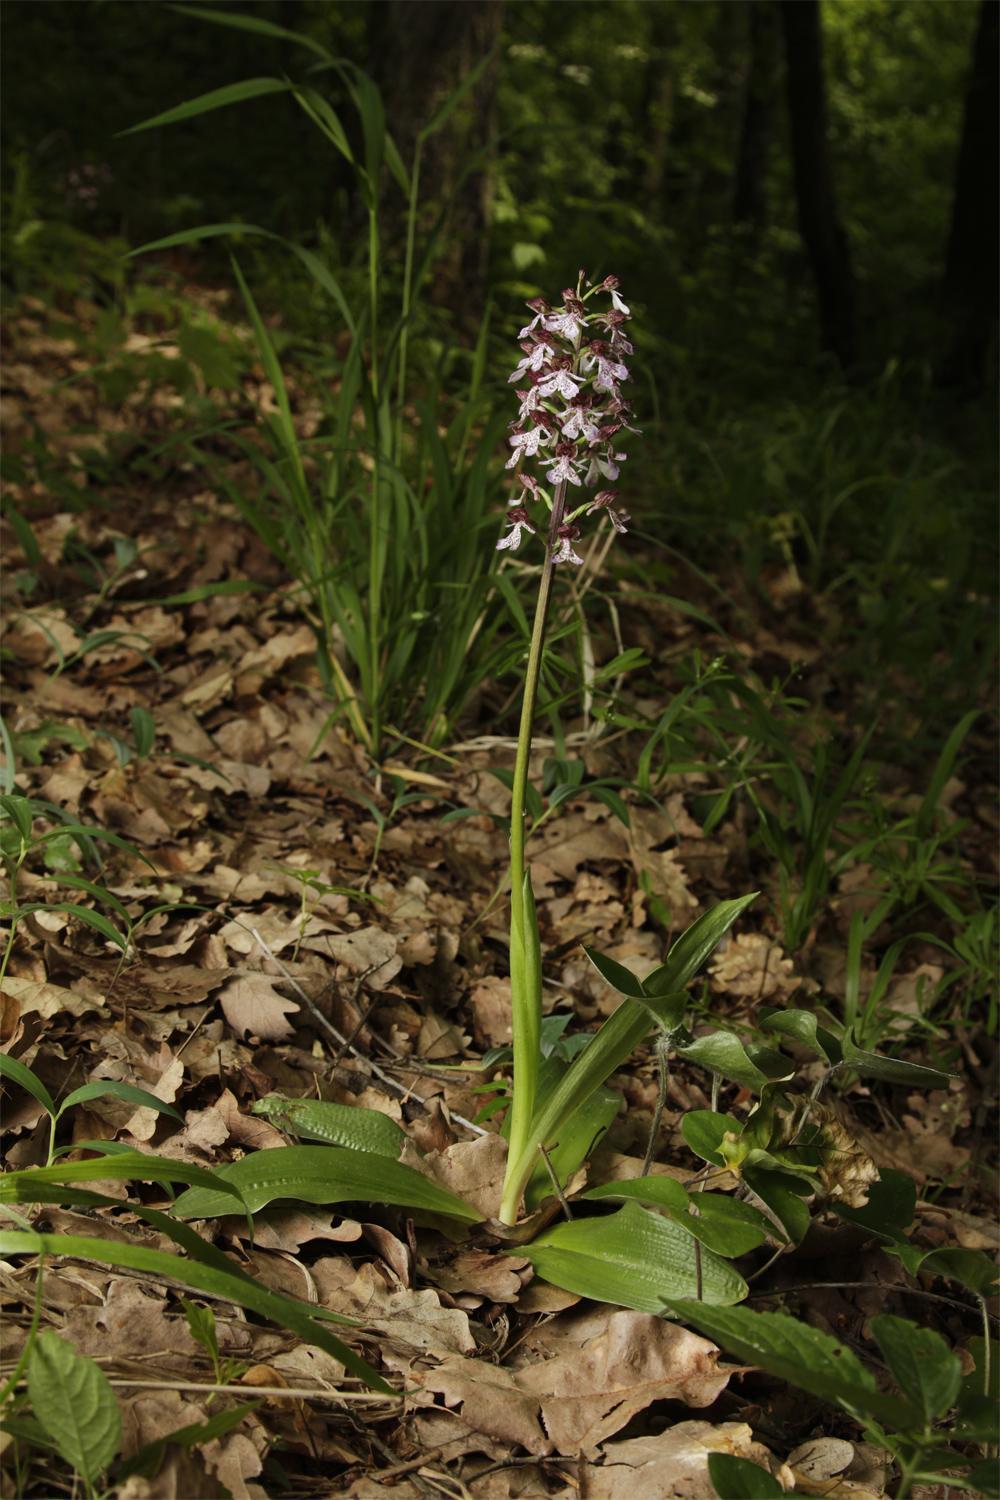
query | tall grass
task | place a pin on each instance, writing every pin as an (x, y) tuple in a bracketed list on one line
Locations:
[(382, 519)]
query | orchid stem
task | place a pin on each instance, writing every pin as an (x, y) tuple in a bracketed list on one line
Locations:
[(526, 1010)]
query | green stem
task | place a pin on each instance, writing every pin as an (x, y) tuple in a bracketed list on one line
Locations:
[(375, 533), (525, 995)]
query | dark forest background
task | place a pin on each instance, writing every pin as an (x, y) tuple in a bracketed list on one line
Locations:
[(800, 201)]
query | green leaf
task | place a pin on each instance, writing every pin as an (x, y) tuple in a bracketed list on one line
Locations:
[(616, 974), (726, 1055), (227, 1286), (320, 1174), (970, 1268), (336, 1124), (792, 1351), (704, 1131), (726, 1226), (892, 1069), (18, 1073), (227, 17), (18, 810), (739, 1479), (662, 1192), (103, 1088), (803, 1027), (920, 1362), (784, 1196), (633, 1259), (130, 1166), (892, 1202), (232, 93), (74, 1403), (694, 946), (577, 1138)]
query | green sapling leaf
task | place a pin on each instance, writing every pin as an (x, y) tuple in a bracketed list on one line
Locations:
[(739, 1479), (922, 1365), (74, 1403)]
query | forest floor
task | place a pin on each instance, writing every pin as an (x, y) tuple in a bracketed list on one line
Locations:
[(324, 934)]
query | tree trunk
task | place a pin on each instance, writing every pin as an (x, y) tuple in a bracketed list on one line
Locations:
[(422, 50), (824, 239), (749, 183), (970, 277)]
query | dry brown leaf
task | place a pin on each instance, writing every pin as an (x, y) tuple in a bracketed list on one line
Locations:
[(131, 1325), (370, 951), (411, 1320), (473, 1170), (491, 1401), (491, 1009), (48, 1000), (606, 1365), (482, 1273), (753, 967), (675, 1463), (289, 1228), (253, 1007)]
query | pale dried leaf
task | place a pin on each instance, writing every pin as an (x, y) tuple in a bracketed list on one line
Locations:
[(253, 1007)]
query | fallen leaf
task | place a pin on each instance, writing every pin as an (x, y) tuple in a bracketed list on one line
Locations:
[(675, 1462), (253, 1007)]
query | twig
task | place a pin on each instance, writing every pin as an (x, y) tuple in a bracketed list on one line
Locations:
[(344, 1042), (288, 1393), (557, 1185)]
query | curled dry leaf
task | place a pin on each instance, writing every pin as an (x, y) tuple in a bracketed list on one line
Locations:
[(47, 999), (253, 1007), (675, 1462), (610, 1365), (411, 1320), (753, 967), (473, 1170)]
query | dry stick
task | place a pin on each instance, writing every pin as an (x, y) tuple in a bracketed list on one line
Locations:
[(557, 1185), (344, 1042), (267, 1392)]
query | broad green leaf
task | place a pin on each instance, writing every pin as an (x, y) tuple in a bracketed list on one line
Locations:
[(791, 1350), (784, 1196), (18, 1073), (739, 1479), (616, 974), (892, 1202), (232, 93), (920, 1362), (104, 1088), (970, 1268), (892, 1069), (620, 1034), (73, 1401), (336, 1124), (726, 1226), (129, 1166), (726, 1055), (577, 1138), (704, 1131), (209, 1279), (320, 1174), (660, 1191), (803, 1027), (633, 1259)]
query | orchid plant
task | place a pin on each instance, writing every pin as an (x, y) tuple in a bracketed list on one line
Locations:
[(570, 421)]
